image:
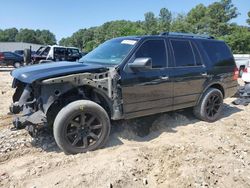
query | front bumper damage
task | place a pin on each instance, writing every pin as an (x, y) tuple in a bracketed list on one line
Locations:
[(31, 117), (35, 102)]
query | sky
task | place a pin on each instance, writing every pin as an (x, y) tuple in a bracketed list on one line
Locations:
[(64, 17)]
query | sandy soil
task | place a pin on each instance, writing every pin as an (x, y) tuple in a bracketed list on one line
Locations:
[(168, 150)]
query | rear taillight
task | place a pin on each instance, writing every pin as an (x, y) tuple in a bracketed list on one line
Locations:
[(1, 56), (236, 74)]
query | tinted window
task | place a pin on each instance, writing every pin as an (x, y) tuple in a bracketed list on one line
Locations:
[(183, 53), (72, 52), (218, 53), (154, 49), (59, 53), (197, 55)]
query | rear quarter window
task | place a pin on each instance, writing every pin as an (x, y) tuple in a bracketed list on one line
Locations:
[(218, 53)]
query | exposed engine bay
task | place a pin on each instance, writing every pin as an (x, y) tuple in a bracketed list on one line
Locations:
[(38, 103)]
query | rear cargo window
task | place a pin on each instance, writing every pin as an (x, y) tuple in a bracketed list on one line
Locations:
[(218, 53)]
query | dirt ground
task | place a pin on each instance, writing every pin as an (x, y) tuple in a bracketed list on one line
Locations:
[(168, 150)]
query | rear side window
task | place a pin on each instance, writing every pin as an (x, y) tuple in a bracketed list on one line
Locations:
[(197, 55), (218, 53), (183, 53), (72, 52), (154, 49)]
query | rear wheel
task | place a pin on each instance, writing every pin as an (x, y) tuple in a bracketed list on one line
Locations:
[(17, 64), (210, 106), (81, 126)]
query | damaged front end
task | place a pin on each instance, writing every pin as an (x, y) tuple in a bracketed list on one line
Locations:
[(33, 103), (27, 107)]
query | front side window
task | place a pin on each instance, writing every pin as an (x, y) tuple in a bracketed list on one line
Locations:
[(154, 49), (111, 52), (183, 53)]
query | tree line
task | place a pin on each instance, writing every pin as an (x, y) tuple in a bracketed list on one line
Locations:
[(27, 35), (215, 19)]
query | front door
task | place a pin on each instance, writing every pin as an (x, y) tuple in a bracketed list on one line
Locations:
[(148, 91)]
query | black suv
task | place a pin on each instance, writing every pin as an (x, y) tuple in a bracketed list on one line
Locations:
[(124, 78)]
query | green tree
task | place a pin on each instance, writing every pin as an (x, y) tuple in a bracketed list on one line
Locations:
[(165, 19), (66, 41), (197, 19), (45, 37), (8, 35), (218, 16), (248, 20), (239, 40), (180, 24), (150, 23), (27, 35)]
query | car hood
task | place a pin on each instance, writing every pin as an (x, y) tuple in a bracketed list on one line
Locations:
[(33, 73)]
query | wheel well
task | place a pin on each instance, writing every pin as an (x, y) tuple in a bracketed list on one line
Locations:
[(84, 92), (219, 87)]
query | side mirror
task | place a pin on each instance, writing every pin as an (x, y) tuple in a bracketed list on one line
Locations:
[(141, 64)]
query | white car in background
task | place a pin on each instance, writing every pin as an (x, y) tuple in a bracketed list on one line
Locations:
[(246, 73), (242, 61)]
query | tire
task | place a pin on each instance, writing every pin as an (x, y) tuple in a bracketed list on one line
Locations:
[(79, 124), (17, 64), (210, 106)]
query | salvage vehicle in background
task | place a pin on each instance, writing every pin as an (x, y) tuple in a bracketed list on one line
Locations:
[(56, 53), (11, 59), (246, 73), (242, 61), (124, 78)]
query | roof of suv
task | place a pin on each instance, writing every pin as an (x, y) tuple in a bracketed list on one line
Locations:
[(170, 34)]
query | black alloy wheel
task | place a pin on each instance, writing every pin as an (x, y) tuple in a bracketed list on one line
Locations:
[(213, 105), (83, 130), (81, 126)]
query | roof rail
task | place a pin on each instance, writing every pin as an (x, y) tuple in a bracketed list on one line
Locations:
[(191, 35)]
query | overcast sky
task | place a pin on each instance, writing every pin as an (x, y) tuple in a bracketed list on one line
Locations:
[(64, 17)]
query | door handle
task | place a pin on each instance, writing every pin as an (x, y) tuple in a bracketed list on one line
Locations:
[(164, 77)]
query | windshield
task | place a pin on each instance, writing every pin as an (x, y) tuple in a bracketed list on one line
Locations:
[(111, 52), (40, 50)]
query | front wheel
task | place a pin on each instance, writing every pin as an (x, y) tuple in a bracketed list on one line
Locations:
[(81, 126), (210, 106)]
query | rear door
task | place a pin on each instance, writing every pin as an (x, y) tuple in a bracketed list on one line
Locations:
[(189, 73), (148, 91)]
